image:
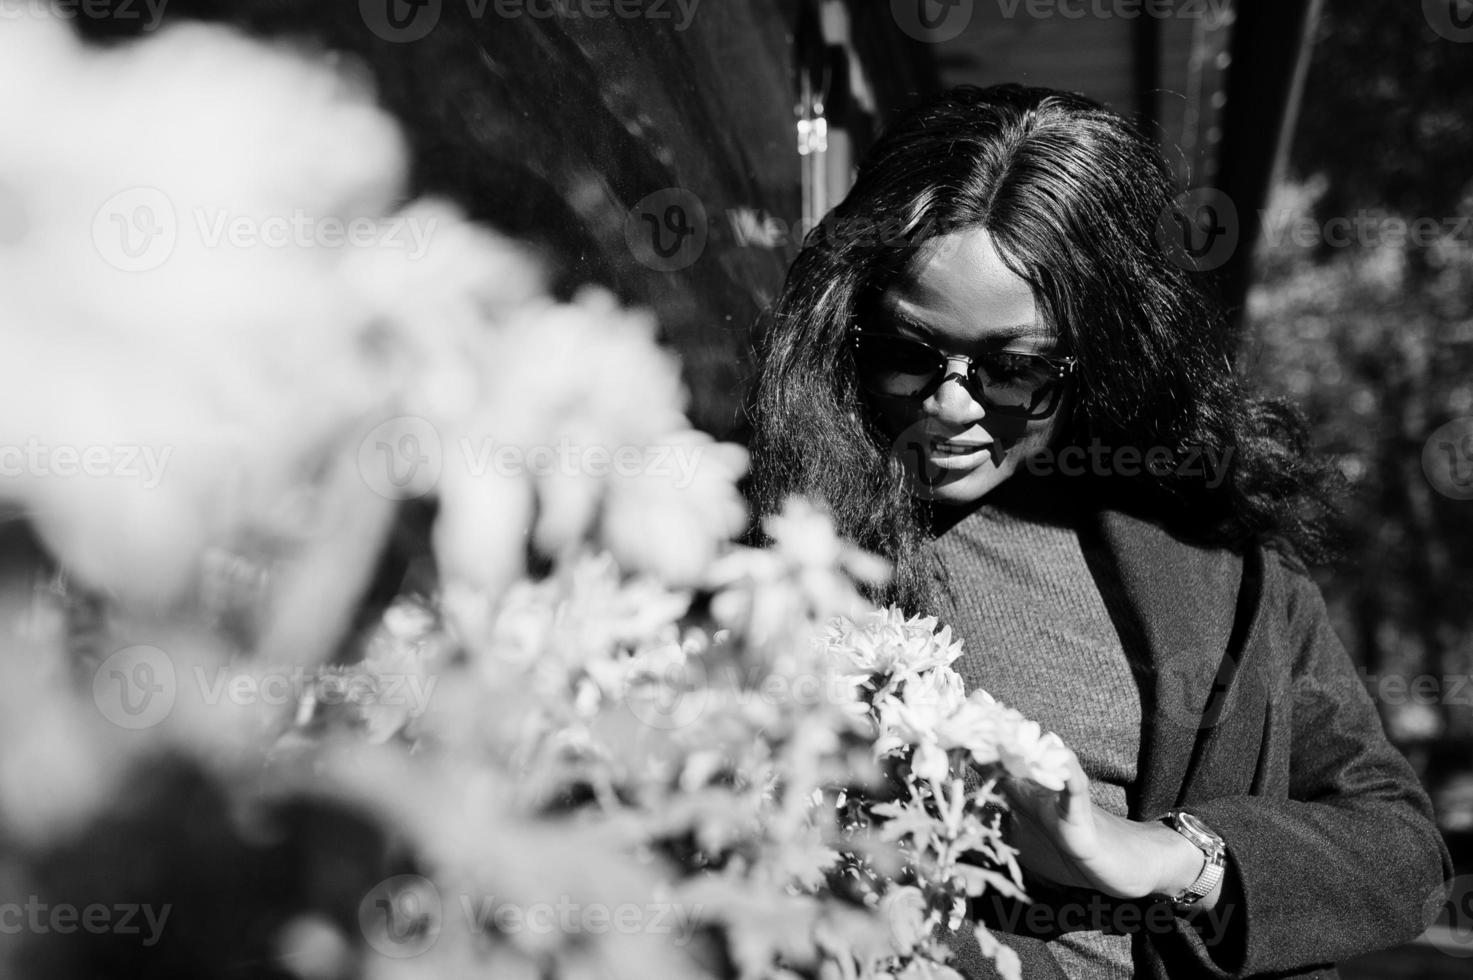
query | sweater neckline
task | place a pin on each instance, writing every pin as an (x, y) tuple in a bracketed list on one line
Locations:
[(1022, 496)]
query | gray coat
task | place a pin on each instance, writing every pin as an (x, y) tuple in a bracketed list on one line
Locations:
[(1258, 723)]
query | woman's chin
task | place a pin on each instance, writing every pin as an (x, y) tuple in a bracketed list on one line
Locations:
[(945, 482)]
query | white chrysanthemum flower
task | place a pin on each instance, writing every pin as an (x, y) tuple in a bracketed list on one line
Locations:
[(588, 629), (994, 733), (885, 642), (919, 700), (1029, 752)]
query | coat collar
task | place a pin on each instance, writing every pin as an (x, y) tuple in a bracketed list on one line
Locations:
[(1193, 612)]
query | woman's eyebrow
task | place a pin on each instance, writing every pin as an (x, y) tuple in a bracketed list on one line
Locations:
[(911, 323), (1023, 331), (1000, 336)]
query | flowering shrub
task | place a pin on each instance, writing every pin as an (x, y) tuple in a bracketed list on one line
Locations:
[(599, 740)]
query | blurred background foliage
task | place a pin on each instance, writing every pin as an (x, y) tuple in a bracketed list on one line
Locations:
[(1374, 339)]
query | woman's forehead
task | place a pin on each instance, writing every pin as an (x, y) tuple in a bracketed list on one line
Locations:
[(958, 286)]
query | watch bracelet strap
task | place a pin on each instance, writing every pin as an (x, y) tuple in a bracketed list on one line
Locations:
[(1213, 869), (1214, 864)]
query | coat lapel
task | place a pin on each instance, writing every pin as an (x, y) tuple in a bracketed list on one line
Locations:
[(1180, 604)]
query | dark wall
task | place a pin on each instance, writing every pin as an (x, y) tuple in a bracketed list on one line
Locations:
[(559, 130)]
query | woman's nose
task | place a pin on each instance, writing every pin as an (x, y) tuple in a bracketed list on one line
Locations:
[(953, 402)]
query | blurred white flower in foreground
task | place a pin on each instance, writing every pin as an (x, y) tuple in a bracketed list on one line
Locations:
[(578, 433), (214, 303), (606, 700), (150, 315), (807, 572)]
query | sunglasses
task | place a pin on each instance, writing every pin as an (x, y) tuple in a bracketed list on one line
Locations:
[(1007, 382)]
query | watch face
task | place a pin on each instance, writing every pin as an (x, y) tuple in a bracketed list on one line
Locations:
[(1197, 827)]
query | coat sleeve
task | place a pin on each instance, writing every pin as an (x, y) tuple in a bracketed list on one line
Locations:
[(1351, 861)]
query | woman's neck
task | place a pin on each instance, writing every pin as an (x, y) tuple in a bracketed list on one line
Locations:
[(1039, 498)]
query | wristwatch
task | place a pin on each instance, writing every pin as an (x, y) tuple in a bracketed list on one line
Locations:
[(1214, 854)]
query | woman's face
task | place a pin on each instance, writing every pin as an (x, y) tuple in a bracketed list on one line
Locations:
[(959, 297)]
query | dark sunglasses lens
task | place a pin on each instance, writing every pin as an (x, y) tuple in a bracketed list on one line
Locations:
[(1038, 404), (895, 366), (1012, 382), (1019, 385)]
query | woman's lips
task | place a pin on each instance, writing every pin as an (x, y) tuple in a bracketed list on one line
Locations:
[(948, 447), (946, 454)]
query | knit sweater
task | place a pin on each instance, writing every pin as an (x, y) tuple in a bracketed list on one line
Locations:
[(1018, 589)]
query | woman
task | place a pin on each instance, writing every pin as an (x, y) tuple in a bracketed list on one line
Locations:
[(996, 375)]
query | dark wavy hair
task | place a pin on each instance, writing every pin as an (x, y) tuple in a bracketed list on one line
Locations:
[(1072, 195)]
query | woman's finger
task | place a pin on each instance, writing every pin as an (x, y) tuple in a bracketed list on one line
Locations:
[(1076, 790)]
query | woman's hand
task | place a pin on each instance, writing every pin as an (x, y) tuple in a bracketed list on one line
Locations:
[(1061, 835)]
